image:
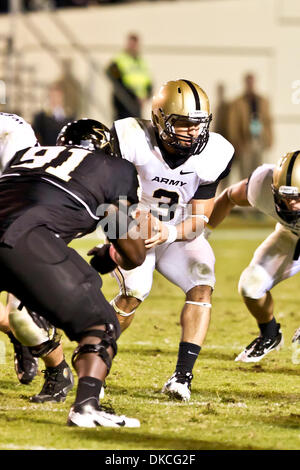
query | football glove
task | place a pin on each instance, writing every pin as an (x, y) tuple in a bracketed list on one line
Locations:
[(102, 260)]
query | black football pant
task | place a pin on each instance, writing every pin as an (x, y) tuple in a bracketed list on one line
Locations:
[(56, 282)]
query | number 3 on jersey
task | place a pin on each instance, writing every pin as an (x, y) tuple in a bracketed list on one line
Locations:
[(44, 158), (169, 199)]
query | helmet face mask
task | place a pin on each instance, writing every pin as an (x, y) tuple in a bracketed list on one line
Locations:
[(286, 188), (88, 134), (282, 198), (182, 104), (186, 144)]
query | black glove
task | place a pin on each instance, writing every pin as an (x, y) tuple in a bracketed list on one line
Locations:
[(101, 261)]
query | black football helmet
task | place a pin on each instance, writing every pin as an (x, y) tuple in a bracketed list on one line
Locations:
[(87, 133)]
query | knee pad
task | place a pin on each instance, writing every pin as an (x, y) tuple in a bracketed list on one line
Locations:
[(107, 337), (25, 329), (141, 288), (254, 282), (43, 349)]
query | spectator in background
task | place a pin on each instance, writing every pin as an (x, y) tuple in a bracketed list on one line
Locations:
[(221, 124), (249, 128), (71, 88), (221, 112), (131, 80), (48, 123)]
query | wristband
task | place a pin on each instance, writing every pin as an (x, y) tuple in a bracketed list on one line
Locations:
[(172, 236), (201, 216)]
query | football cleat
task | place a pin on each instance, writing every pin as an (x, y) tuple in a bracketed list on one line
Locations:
[(296, 347), (260, 347), (58, 382), (91, 415), (179, 386), (26, 366)]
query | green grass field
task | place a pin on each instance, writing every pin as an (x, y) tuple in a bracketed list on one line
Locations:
[(233, 405)]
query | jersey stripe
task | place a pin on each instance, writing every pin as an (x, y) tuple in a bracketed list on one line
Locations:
[(75, 196), (195, 93), (63, 189), (290, 169)]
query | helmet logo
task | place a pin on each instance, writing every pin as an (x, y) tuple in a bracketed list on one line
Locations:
[(197, 114), (105, 137)]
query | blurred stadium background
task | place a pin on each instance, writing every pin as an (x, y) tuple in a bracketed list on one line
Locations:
[(207, 41)]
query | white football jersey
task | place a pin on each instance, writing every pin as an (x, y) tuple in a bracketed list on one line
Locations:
[(15, 134), (161, 186), (260, 195)]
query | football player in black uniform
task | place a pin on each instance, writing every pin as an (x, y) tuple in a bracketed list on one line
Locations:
[(49, 196)]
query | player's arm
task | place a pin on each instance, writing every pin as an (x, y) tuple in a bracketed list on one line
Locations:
[(17, 134), (234, 195), (189, 229), (127, 248)]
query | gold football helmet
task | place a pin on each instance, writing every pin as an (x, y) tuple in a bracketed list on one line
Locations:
[(286, 186), (181, 100)]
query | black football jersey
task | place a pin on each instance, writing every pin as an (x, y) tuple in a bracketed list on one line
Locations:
[(62, 187)]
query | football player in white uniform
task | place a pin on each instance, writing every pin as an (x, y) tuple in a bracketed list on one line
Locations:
[(31, 335), (179, 163), (275, 191)]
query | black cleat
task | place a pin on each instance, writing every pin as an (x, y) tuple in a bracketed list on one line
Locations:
[(90, 414), (26, 366), (260, 347), (58, 382)]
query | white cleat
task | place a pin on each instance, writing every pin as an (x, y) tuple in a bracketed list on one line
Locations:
[(179, 386), (90, 416)]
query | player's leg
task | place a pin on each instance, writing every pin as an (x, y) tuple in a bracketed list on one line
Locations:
[(26, 366), (4, 324), (58, 377), (35, 337), (189, 265), (54, 281), (135, 286), (273, 261)]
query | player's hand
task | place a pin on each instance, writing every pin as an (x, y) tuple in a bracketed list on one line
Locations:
[(149, 225), (161, 235), (103, 258)]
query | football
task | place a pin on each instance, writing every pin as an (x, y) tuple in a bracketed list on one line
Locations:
[(148, 224)]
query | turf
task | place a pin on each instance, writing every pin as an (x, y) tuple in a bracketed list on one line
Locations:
[(233, 405)]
